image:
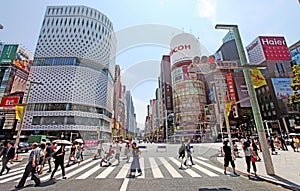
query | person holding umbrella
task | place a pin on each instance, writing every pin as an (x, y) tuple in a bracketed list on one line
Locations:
[(59, 156)]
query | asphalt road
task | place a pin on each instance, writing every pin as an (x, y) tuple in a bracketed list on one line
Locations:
[(160, 173)]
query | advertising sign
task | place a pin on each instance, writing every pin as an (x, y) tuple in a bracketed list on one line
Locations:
[(282, 87), (8, 54), (9, 101), (255, 52), (267, 48), (184, 47), (15, 54), (275, 48), (231, 87)]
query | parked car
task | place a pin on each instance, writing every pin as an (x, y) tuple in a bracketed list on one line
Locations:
[(23, 147)]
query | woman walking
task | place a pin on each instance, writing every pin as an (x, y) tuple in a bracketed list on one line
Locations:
[(59, 156), (250, 158), (135, 165), (72, 154)]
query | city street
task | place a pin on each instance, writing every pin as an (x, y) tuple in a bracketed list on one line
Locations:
[(160, 172)]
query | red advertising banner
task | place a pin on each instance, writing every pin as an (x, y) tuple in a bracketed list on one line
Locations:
[(9, 101), (230, 87), (275, 48)]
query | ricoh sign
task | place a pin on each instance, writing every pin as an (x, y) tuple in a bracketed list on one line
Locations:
[(184, 47), (267, 48)]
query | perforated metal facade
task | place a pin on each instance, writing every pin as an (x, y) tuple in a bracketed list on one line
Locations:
[(74, 61)]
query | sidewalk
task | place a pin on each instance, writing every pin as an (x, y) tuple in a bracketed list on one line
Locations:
[(286, 167)]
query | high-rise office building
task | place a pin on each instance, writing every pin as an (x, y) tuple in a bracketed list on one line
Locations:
[(74, 63)]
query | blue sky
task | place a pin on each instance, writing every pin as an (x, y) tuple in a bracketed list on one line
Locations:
[(141, 55)]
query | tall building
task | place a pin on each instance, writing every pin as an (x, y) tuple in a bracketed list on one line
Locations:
[(273, 99), (189, 94), (130, 117), (164, 96), (74, 61), (15, 64)]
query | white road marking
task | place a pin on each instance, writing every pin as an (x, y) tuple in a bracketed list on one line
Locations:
[(189, 171), (155, 170), (209, 166), (171, 170)]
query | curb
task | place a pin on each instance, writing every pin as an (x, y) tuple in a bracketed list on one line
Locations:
[(276, 182)]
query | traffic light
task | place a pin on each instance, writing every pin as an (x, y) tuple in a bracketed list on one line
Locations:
[(206, 110)]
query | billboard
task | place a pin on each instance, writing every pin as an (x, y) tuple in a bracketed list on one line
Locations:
[(184, 47), (9, 101), (15, 54), (267, 48), (282, 87), (8, 54)]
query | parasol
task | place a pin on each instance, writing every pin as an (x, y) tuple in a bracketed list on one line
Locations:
[(79, 140), (62, 142)]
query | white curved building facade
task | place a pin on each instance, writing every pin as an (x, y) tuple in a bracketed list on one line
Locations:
[(74, 60)]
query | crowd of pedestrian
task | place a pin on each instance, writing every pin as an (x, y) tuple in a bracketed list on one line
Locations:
[(41, 154)]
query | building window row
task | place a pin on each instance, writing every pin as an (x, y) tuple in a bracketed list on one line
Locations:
[(80, 11), (67, 107), (69, 120)]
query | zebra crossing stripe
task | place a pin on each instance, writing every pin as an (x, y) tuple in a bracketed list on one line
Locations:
[(189, 171), (201, 158), (205, 171), (124, 184), (67, 170), (171, 170), (81, 168), (155, 170), (13, 172), (89, 173), (124, 171), (106, 172), (142, 165), (209, 166), (11, 178)]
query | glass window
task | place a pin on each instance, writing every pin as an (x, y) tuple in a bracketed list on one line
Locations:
[(279, 68)]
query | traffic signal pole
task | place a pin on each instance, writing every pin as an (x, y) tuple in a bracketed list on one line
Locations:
[(252, 94)]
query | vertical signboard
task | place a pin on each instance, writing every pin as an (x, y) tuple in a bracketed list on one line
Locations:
[(8, 54)]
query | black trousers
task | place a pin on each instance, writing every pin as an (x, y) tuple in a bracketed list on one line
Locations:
[(58, 163), (34, 176), (248, 161), (4, 164)]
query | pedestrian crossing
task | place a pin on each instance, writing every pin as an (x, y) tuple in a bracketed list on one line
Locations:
[(152, 168)]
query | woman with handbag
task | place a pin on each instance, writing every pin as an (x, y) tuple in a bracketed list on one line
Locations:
[(59, 156), (250, 157)]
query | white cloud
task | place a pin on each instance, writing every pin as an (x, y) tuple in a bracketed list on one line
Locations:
[(207, 9)]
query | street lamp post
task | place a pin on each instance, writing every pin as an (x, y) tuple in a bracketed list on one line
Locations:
[(24, 110), (251, 91)]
